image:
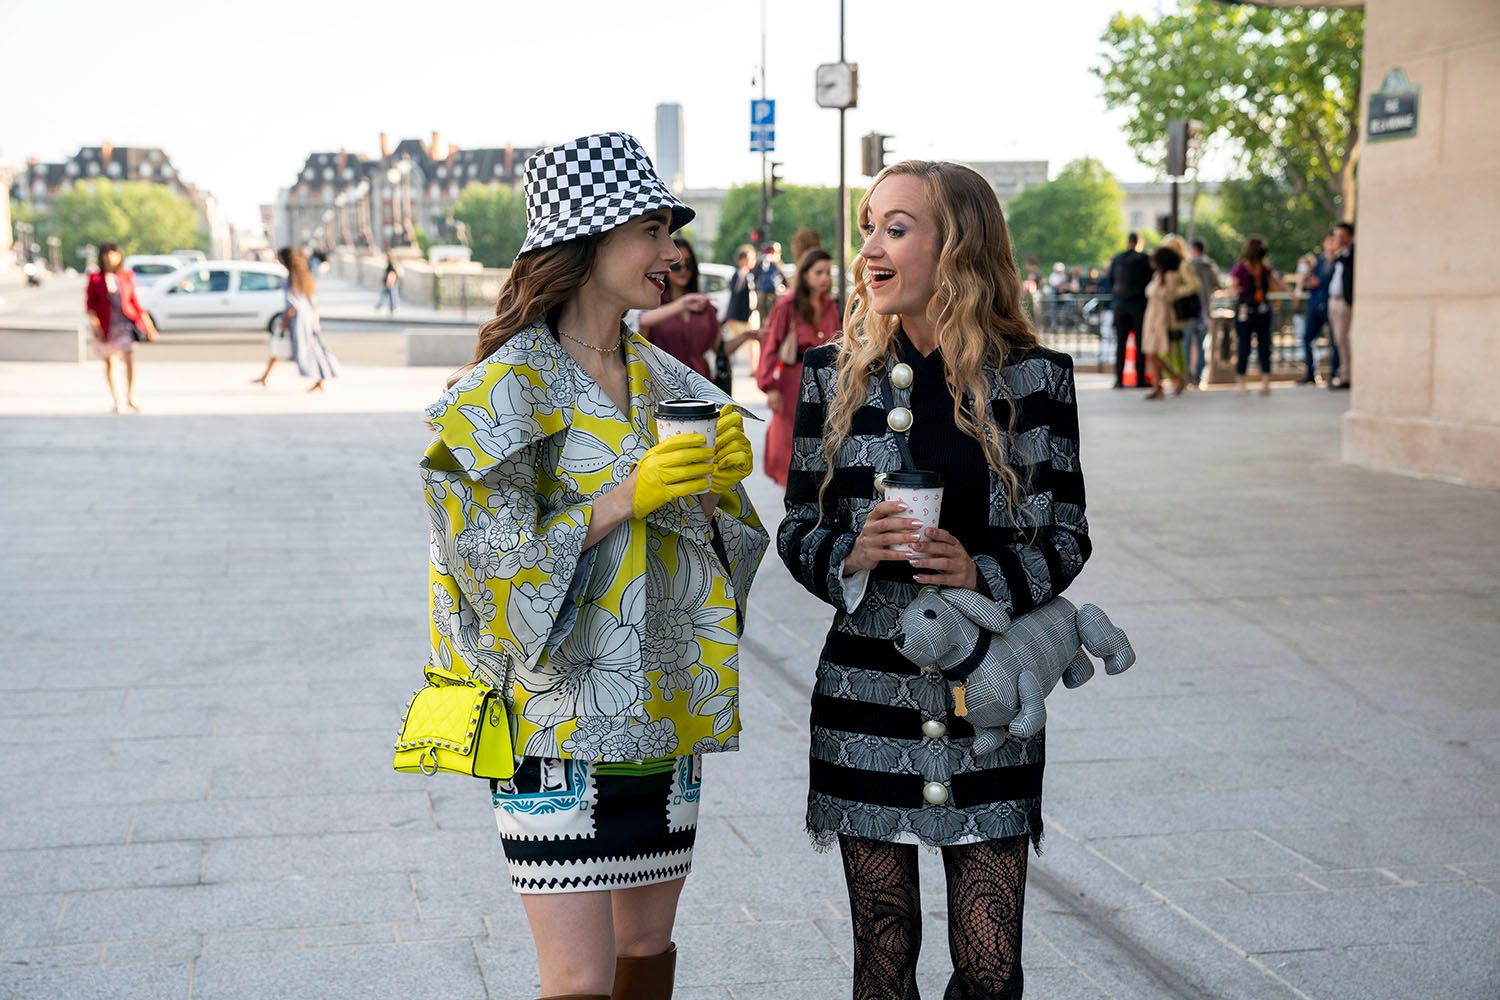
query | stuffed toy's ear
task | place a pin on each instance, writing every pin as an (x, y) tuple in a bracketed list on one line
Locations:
[(978, 609)]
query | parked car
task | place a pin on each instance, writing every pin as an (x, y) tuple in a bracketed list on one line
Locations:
[(190, 256), (149, 268), (218, 295), (713, 281)]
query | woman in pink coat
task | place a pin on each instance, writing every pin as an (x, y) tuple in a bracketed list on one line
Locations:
[(799, 322)]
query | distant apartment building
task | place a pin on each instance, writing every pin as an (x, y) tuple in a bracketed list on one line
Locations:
[(38, 184), (671, 148), (376, 202)]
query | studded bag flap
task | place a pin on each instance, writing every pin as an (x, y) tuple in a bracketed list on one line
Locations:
[(455, 724)]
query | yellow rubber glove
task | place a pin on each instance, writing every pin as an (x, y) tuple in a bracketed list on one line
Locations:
[(677, 467), (732, 457)]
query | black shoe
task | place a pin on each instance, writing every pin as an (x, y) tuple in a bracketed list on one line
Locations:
[(1341, 385), (1118, 385), (1306, 381)]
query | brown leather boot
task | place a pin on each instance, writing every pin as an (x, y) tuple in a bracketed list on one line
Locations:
[(647, 977)]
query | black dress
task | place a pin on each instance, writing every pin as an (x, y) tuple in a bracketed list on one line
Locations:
[(889, 760)]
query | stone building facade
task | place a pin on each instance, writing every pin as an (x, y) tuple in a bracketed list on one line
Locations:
[(378, 202)]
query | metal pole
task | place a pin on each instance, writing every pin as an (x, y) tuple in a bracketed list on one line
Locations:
[(765, 198), (843, 206), (1174, 224)]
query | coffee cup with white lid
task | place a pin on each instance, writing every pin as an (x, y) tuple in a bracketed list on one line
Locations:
[(687, 416), (922, 493)]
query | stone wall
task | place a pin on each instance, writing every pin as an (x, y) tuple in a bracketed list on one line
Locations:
[(1426, 388)]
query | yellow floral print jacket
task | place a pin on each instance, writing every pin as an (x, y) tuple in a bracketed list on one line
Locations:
[(627, 651)]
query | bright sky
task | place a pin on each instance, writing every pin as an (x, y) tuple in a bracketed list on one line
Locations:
[(239, 93)]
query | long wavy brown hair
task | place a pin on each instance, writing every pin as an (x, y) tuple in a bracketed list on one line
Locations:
[(976, 312), (538, 286), (298, 273), (802, 296)]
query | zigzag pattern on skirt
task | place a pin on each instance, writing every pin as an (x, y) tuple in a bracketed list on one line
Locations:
[(597, 881)]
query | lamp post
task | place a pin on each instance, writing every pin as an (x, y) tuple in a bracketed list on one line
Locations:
[(364, 236), (341, 202), (392, 181), (404, 169), (399, 179)]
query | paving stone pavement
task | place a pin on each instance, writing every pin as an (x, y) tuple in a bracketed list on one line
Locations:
[(213, 613)]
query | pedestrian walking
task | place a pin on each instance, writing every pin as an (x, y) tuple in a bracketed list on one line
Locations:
[(1206, 271), (1315, 320), (741, 304), (390, 286), (805, 319), (594, 575), (803, 240), (1254, 280), (300, 329), (769, 281), (118, 321), (937, 319), (1341, 301), (1129, 273), (1162, 292), (684, 324)]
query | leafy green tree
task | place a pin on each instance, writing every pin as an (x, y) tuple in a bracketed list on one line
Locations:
[(141, 217), (1074, 218), (796, 207), (1221, 240), (1266, 207), (496, 218), (1279, 90)]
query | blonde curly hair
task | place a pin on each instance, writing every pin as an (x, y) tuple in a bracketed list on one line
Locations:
[(976, 312)]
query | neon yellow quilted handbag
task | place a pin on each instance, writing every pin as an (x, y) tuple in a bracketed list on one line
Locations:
[(455, 724)]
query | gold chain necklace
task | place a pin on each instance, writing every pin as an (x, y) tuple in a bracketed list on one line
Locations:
[(606, 351)]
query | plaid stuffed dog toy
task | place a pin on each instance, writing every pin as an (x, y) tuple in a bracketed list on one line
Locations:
[(1003, 668)]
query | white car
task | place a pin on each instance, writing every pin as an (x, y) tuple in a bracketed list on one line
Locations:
[(149, 268), (713, 281), (218, 295)]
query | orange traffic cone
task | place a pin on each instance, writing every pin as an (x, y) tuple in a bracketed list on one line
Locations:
[(1129, 377)]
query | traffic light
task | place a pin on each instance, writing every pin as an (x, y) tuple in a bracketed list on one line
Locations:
[(1182, 141), (872, 153), (775, 178)]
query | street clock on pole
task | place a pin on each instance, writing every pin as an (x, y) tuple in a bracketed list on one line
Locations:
[(838, 85)]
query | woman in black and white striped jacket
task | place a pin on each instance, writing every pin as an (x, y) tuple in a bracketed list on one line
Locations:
[(936, 324)]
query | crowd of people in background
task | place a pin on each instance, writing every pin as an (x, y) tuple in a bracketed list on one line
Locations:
[(1170, 343), (1158, 307)]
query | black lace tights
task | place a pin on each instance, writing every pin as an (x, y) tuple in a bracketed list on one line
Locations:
[(986, 892)]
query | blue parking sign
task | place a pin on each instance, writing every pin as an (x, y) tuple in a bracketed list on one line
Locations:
[(763, 113)]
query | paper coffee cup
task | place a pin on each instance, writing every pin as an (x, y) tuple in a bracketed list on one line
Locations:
[(922, 492), (687, 416)]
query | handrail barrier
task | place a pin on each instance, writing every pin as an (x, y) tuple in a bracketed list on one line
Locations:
[(1083, 326)]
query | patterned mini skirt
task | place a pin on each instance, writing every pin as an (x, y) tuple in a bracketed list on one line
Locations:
[(576, 826)]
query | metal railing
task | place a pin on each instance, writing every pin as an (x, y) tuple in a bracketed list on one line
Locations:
[(471, 292), (1083, 326)]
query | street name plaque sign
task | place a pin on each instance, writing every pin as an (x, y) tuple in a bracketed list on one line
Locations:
[(1393, 109)]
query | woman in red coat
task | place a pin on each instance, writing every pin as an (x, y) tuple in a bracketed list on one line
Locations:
[(799, 322), (116, 314), (685, 325)]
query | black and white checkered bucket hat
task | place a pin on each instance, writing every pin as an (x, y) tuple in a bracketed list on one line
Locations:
[(592, 185)]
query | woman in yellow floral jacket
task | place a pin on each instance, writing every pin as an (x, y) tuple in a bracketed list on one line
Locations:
[(593, 574)]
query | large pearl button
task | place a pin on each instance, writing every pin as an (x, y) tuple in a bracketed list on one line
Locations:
[(935, 792), (934, 730), (901, 376), (899, 420)]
